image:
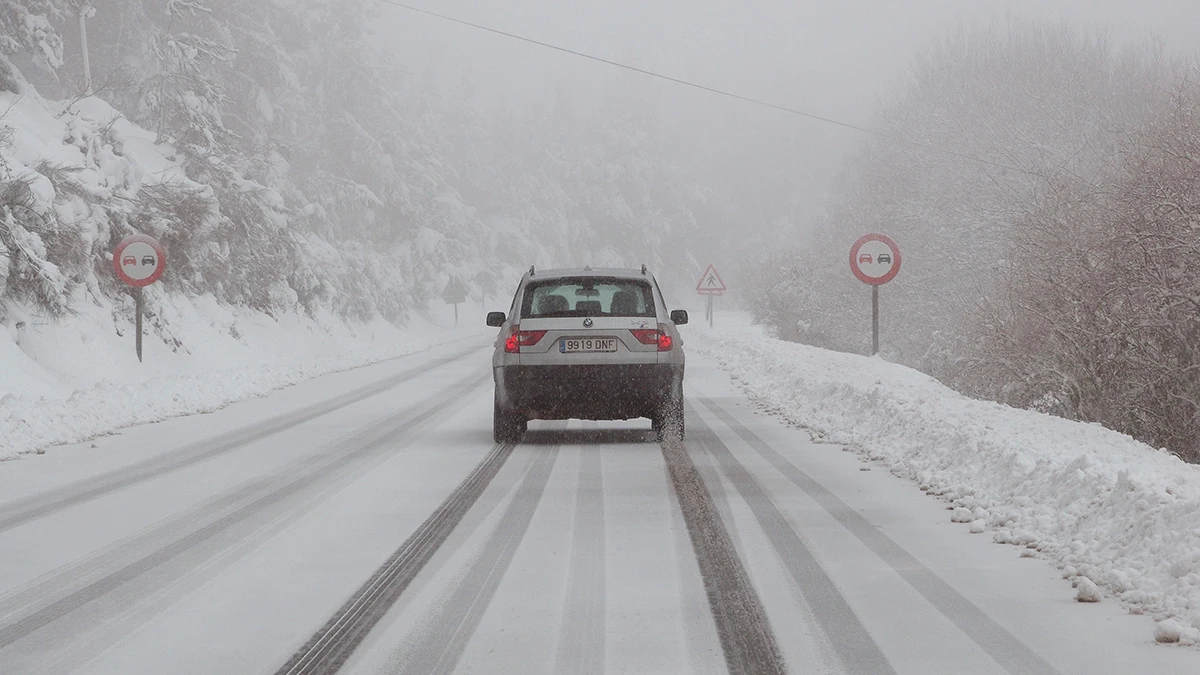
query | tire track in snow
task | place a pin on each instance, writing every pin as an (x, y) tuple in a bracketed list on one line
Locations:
[(581, 644), (853, 644), (746, 637), (71, 589), (444, 639), (328, 649), (1004, 647), (39, 506)]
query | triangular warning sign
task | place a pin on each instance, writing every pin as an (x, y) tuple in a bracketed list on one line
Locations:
[(455, 291), (711, 282)]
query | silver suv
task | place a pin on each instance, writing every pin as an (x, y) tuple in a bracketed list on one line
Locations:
[(588, 344)]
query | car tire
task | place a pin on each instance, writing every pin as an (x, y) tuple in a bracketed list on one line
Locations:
[(507, 426), (668, 423)]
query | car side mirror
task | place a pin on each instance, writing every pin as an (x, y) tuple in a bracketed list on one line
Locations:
[(679, 317), (496, 319)]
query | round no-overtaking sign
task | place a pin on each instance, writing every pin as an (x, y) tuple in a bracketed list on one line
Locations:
[(139, 260), (875, 259)]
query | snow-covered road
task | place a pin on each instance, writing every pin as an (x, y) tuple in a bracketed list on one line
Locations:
[(364, 522)]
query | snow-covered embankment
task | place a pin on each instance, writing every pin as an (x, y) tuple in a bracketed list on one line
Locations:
[(71, 377), (74, 379), (1104, 507)]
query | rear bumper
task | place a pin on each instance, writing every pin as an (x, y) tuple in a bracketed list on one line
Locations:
[(591, 392)]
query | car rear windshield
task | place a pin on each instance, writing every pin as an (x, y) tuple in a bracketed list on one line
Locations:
[(587, 296)]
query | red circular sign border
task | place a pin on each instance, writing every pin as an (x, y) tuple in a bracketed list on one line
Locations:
[(158, 271), (875, 281)]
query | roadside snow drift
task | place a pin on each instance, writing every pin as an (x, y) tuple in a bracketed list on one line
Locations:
[(1107, 509), (74, 379)]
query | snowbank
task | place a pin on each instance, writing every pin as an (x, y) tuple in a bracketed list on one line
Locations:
[(71, 380), (1101, 505)]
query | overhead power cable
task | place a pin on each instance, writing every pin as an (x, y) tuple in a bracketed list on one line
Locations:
[(701, 87)]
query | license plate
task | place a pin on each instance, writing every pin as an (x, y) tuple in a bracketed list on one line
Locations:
[(587, 345)]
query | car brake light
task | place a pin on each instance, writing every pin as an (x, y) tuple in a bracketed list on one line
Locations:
[(664, 339), (522, 338), (649, 336)]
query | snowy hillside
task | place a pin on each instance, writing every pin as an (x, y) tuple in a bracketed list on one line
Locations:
[(69, 371), (78, 378), (1107, 509)]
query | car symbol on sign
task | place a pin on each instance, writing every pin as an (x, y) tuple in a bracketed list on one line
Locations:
[(129, 260), (864, 258), (149, 260), (884, 258)]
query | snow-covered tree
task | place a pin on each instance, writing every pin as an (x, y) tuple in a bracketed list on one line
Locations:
[(27, 27)]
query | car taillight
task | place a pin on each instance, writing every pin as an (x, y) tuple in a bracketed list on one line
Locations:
[(664, 339), (649, 336), (522, 338)]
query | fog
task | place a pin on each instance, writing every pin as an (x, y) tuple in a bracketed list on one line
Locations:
[(773, 170), (832, 59)]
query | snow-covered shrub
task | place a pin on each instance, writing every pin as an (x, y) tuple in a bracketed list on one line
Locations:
[(26, 27), (29, 275), (31, 237), (1102, 310)]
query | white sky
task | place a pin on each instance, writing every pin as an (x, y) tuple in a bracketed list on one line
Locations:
[(828, 56)]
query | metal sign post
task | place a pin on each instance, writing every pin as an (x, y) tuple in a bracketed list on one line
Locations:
[(874, 320), (711, 285), (139, 261), (138, 302), (875, 260)]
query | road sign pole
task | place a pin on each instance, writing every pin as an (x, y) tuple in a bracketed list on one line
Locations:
[(139, 261), (710, 285), (137, 298), (875, 260), (456, 314), (874, 320)]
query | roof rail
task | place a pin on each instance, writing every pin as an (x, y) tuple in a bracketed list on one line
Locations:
[(531, 271), (643, 269)]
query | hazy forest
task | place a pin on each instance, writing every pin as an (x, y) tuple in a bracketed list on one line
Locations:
[(1046, 186)]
